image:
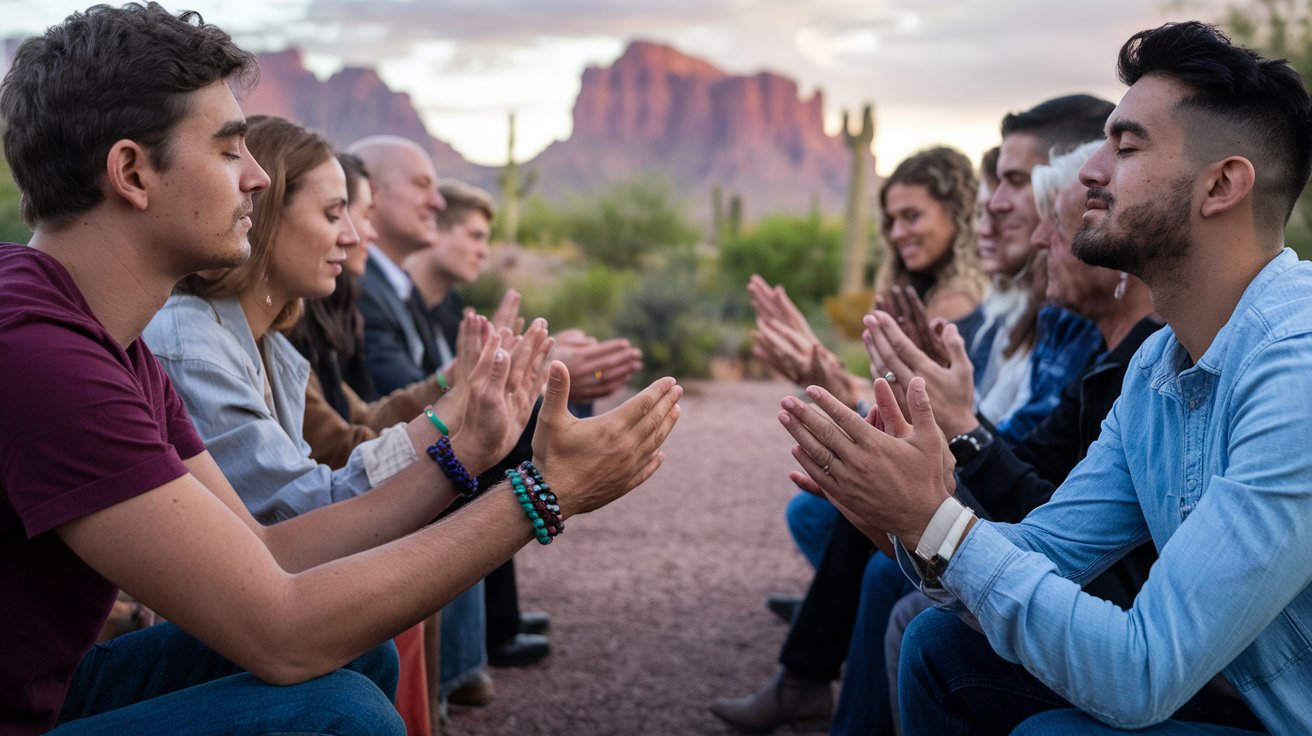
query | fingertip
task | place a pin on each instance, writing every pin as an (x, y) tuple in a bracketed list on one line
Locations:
[(785, 418), (813, 392)]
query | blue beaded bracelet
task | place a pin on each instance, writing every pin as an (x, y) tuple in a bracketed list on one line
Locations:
[(445, 458)]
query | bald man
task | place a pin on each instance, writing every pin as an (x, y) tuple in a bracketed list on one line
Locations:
[(400, 346)]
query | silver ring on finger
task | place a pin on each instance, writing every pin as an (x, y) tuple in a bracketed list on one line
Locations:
[(890, 376)]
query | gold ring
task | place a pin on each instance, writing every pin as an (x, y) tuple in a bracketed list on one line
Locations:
[(597, 374)]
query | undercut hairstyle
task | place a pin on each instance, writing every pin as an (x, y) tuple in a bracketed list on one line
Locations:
[(1061, 124), (950, 180), (103, 76), (461, 199), (1236, 104), (1047, 180), (286, 152)]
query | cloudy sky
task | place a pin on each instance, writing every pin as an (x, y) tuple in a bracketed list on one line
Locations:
[(937, 71)]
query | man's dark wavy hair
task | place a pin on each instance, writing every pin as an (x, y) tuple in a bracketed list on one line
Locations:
[(102, 76), (1062, 123), (1237, 104)]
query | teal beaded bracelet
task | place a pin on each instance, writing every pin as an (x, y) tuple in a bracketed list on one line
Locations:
[(539, 504)]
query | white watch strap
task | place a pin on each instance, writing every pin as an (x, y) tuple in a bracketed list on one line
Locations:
[(939, 528), (953, 539)]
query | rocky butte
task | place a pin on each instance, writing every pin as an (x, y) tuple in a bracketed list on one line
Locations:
[(655, 112)]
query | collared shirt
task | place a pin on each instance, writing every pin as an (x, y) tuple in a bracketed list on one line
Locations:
[(405, 290), (1210, 462), (395, 275), (211, 357)]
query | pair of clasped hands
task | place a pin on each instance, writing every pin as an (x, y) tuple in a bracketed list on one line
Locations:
[(887, 472), (498, 375)]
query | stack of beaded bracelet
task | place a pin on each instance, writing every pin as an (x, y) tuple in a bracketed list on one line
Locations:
[(535, 496), (445, 458)]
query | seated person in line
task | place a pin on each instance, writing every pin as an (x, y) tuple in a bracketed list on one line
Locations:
[(104, 481), (458, 253), (330, 334), (402, 347), (1006, 483), (243, 383), (820, 635), (1205, 158), (928, 203)]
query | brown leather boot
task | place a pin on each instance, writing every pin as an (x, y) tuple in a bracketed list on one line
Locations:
[(786, 699)]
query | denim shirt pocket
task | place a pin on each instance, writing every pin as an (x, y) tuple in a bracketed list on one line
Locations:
[(1280, 647)]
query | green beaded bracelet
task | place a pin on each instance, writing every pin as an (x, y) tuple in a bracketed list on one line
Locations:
[(441, 382), (432, 417)]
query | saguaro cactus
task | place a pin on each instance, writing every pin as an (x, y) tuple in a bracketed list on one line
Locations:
[(513, 188), (856, 228)]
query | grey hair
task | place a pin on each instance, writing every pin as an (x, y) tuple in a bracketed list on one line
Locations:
[(1060, 172)]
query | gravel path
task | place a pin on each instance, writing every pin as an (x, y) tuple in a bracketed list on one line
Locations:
[(657, 601)]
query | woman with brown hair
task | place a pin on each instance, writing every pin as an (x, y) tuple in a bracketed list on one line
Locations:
[(244, 384)]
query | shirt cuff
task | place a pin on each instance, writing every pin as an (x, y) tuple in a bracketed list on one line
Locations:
[(387, 454), (978, 563)]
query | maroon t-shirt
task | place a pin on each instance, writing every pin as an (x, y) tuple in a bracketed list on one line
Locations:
[(84, 424)]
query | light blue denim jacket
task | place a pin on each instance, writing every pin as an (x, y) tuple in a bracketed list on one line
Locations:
[(1213, 462), (207, 349)]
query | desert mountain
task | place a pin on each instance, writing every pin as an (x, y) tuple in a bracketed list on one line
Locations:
[(654, 110)]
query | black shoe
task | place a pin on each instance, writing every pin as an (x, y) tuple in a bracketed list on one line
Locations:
[(534, 622), (783, 606), (521, 650)]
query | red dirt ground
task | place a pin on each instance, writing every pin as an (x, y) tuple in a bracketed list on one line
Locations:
[(657, 601)]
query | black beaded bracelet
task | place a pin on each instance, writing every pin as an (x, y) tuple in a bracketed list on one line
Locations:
[(442, 454)]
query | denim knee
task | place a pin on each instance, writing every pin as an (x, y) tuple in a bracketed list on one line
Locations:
[(351, 703), (381, 666), (811, 519)]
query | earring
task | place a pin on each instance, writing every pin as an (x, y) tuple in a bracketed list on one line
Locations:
[(268, 298), (1120, 286)]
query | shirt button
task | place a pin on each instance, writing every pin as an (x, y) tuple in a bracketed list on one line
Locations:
[(1193, 403), (1192, 484)]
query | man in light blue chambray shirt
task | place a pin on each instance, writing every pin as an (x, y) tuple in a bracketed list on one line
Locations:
[(1205, 453)]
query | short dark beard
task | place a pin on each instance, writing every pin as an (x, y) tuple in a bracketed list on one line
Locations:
[(1152, 237)]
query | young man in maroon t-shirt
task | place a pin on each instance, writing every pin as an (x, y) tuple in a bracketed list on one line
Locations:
[(128, 146)]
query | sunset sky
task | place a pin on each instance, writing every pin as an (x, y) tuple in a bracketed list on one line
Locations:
[(937, 71)]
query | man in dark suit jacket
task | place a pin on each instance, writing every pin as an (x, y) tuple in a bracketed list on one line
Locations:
[(402, 345)]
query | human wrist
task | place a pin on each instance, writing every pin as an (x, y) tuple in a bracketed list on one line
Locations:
[(471, 453), (539, 502), (942, 537), (955, 422)]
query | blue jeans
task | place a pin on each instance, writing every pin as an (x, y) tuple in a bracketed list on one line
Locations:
[(160, 680), (811, 520), (464, 639), (952, 682), (863, 706)]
